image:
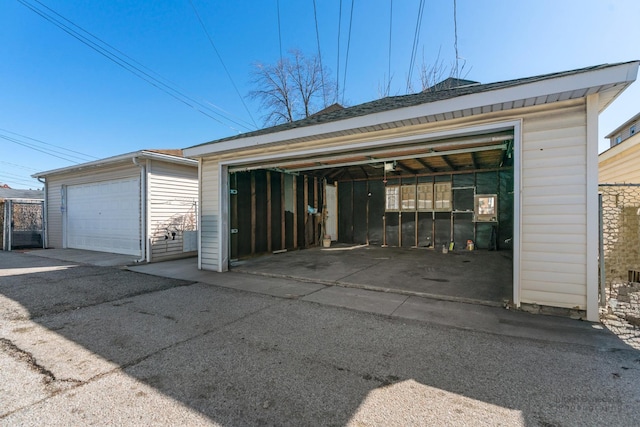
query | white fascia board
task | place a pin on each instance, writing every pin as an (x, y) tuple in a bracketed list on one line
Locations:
[(143, 154), (623, 73)]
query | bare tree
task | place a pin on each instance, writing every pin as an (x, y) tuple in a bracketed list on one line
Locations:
[(292, 88), (438, 76)]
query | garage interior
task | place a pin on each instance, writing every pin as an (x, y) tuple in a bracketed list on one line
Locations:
[(432, 218)]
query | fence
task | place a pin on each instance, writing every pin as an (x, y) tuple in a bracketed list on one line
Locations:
[(620, 232), (23, 224)]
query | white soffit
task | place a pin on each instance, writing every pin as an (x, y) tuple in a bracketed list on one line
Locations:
[(610, 82)]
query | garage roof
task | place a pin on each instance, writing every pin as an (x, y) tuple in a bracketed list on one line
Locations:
[(10, 193), (438, 105), (165, 155)]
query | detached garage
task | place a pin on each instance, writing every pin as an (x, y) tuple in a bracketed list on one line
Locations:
[(142, 204), (510, 164)]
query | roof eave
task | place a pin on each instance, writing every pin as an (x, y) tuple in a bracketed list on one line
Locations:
[(624, 125), (614, 78), (142, 154)]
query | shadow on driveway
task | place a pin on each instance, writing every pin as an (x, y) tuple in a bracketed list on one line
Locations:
[(119, 347)]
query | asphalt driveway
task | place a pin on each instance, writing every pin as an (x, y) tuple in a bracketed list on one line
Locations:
[(82, 344)]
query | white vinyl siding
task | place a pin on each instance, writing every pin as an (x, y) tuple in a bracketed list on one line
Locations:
[(54, 194), (172, 194), (552, 261), (554, 204), (209, 217), (621, 163)]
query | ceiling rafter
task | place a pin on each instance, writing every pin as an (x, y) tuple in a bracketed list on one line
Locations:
[(425, 165), (474, 162), (448, 162), (405, 168)]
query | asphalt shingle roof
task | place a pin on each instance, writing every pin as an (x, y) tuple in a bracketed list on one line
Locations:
[(403, 101)]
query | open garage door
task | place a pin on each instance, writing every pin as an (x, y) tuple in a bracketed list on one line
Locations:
[(448, 194), (104, 216)]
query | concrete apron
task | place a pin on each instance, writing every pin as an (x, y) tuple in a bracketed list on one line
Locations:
[(478, 277)]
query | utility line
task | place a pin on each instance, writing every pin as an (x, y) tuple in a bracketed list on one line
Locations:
[(455, 38), (13, 176), (338, 56), (416, 37), (279, 29), (51, 145), (213, 45), (324, 89), (50, 152), (137, 71), (389, 65), (19, 181), (18, 166), (346, 60)]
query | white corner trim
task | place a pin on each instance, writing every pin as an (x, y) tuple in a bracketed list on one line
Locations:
[(592, 208), (517, 210), (199, 216)]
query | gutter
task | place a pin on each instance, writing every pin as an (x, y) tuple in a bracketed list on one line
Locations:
[(143, 211)]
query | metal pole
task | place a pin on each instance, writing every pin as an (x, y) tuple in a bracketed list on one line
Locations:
[(603, 292)]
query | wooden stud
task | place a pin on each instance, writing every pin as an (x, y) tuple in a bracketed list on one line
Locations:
[(417, 236), (269, 245), (295, 212), (253, 212), (305, 198), (366, 220), (283, 216), (315, 217)]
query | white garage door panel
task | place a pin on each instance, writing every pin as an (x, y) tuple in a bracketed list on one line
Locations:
[(104, 216)]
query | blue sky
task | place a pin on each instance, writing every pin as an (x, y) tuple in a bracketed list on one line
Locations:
[(58, 91)]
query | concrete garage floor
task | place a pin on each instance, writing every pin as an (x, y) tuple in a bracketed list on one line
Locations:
[(479, 276)]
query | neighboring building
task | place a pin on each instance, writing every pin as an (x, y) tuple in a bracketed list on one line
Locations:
[(537, 135), (619, 176), (142, 204), (21, 218), (621, 162)]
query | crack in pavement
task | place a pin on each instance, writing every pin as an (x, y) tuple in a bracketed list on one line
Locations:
[(21, 355)]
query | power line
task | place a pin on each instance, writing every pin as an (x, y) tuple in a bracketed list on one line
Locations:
[(279, 30), (111, 53), (51, 145), (338, 56), (50, 152), (346, 60), (19, 181), (455, 38), (324, 89), (416, 37), (213, 45), (18, 166), (14, 177), (389, 64)]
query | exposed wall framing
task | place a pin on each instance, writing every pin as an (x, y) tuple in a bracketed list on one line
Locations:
[(270, 212)]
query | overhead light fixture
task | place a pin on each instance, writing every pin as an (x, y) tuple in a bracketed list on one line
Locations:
[(390, 167)]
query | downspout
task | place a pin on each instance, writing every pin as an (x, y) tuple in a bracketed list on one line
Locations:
[(143, 211), (45, 214)]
